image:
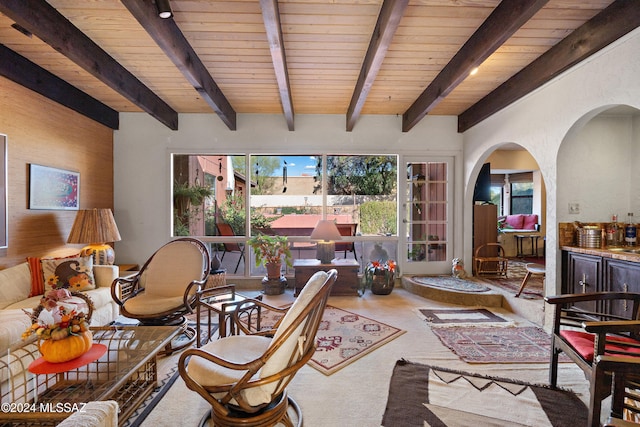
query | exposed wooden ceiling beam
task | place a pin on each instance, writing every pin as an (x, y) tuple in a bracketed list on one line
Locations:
[(615, 21), (48, 24), (505, 20), (271, 17), (168, 36), (24, 72), (390, 14)]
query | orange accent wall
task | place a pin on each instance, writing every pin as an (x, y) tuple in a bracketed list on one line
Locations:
[(43, 132)]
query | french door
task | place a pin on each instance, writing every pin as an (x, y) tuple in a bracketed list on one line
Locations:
[(427, 215)]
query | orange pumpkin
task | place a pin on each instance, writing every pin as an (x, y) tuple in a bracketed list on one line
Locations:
[(58, 351)]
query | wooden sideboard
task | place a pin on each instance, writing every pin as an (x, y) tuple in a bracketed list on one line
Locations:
[(600, 271), (347, 282)]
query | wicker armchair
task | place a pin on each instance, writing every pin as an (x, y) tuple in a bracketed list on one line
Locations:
[(166, 287), (490, 259), (244, 377)]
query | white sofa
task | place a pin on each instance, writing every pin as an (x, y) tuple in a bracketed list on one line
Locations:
[(94, 414), (15, 287)]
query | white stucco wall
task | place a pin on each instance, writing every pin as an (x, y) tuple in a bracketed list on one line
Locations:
[(142, 148), (541, 121)]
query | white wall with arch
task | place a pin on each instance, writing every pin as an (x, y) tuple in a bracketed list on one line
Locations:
[(559, 113)]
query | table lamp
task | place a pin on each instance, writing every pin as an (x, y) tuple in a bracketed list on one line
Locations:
[(326, 233), (95, 227)]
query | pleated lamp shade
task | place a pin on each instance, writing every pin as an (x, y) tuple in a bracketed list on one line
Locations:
[(326, 233), (95, 227)]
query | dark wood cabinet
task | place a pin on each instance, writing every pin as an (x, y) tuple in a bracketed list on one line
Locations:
[(621, 276), (584, 275), (347, 282), (485, 229)]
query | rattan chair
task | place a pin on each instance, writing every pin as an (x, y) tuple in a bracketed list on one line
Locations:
[(244, 377), (490, 259), (166, 287)]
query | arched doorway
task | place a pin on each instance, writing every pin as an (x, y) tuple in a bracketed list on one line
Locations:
[(518, 192)]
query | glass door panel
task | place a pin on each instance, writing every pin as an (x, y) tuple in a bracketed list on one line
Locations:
[(427, 216)]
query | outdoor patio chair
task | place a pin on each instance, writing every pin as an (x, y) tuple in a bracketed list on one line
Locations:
[(244, 377), (165, 289), (348, 230), (225, 229), (588, 331)]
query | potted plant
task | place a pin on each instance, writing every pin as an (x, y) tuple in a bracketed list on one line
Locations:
[(379, 276), (272, 251)]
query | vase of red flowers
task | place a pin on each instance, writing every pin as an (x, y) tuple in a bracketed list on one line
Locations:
[(379, 276)]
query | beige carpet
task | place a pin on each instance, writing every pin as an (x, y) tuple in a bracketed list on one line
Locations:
[(356, 395)]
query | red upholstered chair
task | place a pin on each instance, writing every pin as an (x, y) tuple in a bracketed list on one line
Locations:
[(586, 328)]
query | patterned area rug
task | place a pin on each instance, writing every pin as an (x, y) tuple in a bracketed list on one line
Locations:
[(497, 345), (457, 317), (515, 274), (422, 395), (451, 283), (343, 337)]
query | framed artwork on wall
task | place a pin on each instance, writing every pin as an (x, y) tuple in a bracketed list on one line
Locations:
[(4, 225), (52, 188)]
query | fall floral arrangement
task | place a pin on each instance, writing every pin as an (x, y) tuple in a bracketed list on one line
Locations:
[(60, 315), (387, 268), (379, 276)]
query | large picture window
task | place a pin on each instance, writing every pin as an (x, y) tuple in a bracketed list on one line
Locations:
[(286, 195)]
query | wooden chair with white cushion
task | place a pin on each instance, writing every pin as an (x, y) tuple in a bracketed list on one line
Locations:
[(244, 377), (165, 289)]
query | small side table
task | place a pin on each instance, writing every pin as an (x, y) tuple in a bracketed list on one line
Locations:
[(223, 301), (531, 269), (347, 282), (534, 244), (127, 267)]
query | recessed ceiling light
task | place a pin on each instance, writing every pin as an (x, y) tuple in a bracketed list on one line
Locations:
[(473, 72)]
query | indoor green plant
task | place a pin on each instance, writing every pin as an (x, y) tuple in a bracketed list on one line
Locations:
[(271, 251)]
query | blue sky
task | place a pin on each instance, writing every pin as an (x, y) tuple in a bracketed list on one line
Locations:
[(297, 165)]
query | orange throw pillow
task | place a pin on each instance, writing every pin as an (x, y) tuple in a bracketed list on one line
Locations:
[(37, 283)]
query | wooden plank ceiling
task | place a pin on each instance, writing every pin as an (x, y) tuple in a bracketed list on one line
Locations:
[(351, 57)]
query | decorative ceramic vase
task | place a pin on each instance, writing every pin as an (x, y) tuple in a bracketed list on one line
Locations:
[(381, 282), (69, 348)]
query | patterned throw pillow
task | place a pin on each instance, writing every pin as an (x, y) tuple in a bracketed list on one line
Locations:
[(75, 274), (35, 267)]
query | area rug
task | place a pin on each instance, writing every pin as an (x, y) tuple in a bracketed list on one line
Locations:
[(451, 283), (343, 337), (458, 317), (516, 271), (528, 344), (422, 395)]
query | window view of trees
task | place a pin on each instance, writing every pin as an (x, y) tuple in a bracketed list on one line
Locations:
[(285, 195)]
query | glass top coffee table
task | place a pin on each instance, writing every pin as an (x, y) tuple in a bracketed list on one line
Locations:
[(126, 373), (220, 301)]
